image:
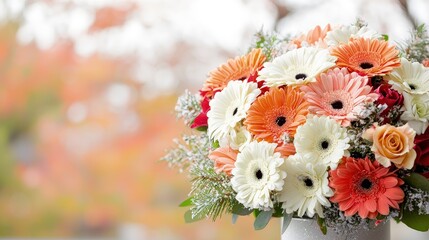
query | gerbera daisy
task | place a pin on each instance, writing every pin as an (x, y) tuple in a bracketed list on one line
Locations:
[(257, 172), (365, 187), (239, 68), (344, 33), (411, 77), (229, 107), (416, 112), (286, 149), (279, 111), (296, 67), (369, 57), (306, 186), (224, 159), (339, 95), (315, 36), (323, 140)]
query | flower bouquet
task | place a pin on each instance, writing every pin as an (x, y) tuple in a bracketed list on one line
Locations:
[(330, 125)]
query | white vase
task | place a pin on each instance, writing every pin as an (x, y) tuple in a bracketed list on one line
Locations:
[(308, 229)]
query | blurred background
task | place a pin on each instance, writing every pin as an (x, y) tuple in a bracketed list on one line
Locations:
[(87, 95)]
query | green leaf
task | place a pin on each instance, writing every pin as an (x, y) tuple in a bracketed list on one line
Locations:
[(256, 212), (187, 202), (278, 211), (202, 128), (287, 218), (385, 37), (239, 209), (322, 224), (215, 144), (415, 221), (418, 181), (234, 218), (262, 219), (190, 219)]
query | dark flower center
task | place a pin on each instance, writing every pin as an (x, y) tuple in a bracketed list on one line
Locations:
[(259, 174), (280, 121), (413, 87), (337, 104), (235, 111), (366, 184), (300, 76), (324, 144), (376, 81), (366, 65), (308, 182)]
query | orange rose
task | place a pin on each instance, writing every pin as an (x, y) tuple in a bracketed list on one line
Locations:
[(392, 144)]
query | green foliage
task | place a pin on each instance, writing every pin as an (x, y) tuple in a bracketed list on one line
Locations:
[(322, 225), (278, 210), (188, 202), (262, 219), (190, 218), (414, 220), (417, 47), (212, 195), (417, 181), (270, 43), (239, 209)]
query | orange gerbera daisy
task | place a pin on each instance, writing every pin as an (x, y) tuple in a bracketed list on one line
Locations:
[(314, 36), (239, 68), (278, 112), (365, 187), (286, 149), (369, 57)]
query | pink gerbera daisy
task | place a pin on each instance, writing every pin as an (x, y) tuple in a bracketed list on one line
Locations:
[(339, 95), (365, 187)]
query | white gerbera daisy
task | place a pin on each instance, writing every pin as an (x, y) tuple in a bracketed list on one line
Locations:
[(229, 107), (306, 186), (345, 33), (416, 112), (410, 77), (322, 139), (257, 172), (296, 67)]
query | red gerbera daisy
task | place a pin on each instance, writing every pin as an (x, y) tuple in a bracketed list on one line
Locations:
[(365, 187)]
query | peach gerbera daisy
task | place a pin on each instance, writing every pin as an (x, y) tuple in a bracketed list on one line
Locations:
[(369, 57), (224, 159), (338, 94), (239, 68), (315, 36), (365, 187), (278, 112)]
